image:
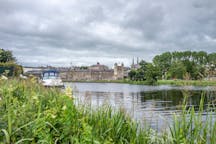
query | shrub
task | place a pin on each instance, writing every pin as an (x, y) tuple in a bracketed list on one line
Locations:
[(10, 69)]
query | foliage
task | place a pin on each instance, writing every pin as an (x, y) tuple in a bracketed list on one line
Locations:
[(188, 127), (147, 72), (6, 56), (84, 67), (175, 65), (163, 62), (187, 82), (30, 113), (178, 64), (10, 69), (177, 71), (132, 74)]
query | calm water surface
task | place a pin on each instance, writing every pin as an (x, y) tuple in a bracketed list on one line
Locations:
[(147, 104)]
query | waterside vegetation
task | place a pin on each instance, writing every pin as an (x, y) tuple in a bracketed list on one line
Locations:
[(159, 82), (8, 65), (185, 65), (30, 113)]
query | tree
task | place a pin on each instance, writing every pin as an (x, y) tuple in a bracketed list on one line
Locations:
[(6, 56), (212, 60), (152, 73), (177, 70), (7, 64), (163, 61), (147, 72), (132, 74)]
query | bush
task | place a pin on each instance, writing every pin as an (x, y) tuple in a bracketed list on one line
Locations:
[(10, 69)]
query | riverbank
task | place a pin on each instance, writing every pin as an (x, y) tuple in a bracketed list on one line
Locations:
[(31, 113), (187, 82), (159, 82)]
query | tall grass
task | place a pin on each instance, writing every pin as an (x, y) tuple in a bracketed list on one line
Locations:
[(30, 113), (192, 127)]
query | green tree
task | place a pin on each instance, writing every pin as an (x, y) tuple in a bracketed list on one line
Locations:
[(8, 64), (132, 74), (177, 70), (202, 56), (212, 60), (163, 62), (146, 72), (152, 73), (6, 56)]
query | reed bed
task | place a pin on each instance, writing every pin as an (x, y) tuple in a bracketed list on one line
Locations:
[(30, 113)]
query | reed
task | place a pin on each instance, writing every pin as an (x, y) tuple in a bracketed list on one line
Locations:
[(193, 127)]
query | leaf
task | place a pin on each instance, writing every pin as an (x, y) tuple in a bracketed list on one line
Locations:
[(7, 136)]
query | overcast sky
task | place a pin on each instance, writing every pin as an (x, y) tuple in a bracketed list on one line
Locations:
[(83, 32)]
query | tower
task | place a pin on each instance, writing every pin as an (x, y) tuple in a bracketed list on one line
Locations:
[(118, 71), (133, 65)]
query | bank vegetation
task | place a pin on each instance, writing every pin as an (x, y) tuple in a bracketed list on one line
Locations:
[(186, 65), (30, 113)]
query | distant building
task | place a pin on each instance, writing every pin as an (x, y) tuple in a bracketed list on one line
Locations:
[(98, 67), (118, 71), (91, 73), (135, 66), (94, 73)]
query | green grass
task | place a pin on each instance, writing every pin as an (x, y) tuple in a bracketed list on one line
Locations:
[(159, 82), (30, 113), (187, 82), (124, 81)]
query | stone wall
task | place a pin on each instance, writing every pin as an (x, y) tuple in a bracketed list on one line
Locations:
[(87, 75)]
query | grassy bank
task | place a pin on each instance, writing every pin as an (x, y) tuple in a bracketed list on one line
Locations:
[(30, 113), (124, 81), (159, 82), (187, 82)]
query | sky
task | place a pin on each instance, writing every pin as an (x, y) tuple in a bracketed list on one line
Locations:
[(84, 32)]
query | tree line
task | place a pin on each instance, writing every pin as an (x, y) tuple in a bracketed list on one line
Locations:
[(190, 65), (6, 56)]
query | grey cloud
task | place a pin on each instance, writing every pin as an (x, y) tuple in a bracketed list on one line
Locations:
[(146, 18), (83, 32)]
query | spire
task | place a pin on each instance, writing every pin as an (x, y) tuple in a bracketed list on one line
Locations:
[(132, 65)]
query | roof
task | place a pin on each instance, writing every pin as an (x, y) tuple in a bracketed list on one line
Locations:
[(50, 71)]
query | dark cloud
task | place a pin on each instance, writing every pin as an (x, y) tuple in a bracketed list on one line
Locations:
[(60, 32)]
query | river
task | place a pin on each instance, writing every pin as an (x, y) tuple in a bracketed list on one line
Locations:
[(153, 105)]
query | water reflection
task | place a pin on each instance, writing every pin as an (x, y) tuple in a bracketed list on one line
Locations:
[(150, 104)]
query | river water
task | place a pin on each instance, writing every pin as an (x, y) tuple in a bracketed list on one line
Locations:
[(152, 105)]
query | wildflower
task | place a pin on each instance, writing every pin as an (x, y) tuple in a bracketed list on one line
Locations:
[(68, 91), (53, 116), (64, 107), (35, 97)]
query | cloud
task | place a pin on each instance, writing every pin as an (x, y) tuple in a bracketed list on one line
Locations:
[(61, 32)]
